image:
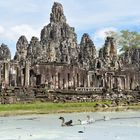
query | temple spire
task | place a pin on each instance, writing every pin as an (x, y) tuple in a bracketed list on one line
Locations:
[(57, 14)]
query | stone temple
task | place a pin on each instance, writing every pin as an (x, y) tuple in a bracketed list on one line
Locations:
[(57, 61)]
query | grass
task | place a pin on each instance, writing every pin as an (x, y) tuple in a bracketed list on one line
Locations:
[(39, 108), (47, 107)]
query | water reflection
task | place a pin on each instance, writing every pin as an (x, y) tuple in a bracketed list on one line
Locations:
[(120, 126)]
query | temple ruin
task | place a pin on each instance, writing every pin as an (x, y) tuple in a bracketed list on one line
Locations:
[(58, 62)]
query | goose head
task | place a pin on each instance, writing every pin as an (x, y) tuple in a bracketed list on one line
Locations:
[(63, 120), (79, 121)]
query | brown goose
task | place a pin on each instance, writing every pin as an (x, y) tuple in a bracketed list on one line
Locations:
[(69, 123)]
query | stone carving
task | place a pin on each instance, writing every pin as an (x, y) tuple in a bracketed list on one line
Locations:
[(109, 48), (34, 50), (22, 45), (108, 54), (58, 39), (58, 62), (5, 53), (57, 14), (87, 52), (131, 57)]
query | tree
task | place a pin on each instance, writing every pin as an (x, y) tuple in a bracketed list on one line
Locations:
[(129, 40), (115, 35), (125, 39)]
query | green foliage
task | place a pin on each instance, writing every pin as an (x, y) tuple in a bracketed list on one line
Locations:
[(125, 39), (129, 40)]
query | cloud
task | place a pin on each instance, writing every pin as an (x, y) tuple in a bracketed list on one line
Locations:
[(14, 32), (1, 30), (94, 14), (10, 35), (24, 29), (99, 35)]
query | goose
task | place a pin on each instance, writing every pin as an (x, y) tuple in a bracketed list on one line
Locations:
[(90, 120), (106, 118), (83, 122), (69, 123)]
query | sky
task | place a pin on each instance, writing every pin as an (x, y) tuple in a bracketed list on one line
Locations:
[(95, 17)]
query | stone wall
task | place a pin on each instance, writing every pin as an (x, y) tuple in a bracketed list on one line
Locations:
[(59, 62), (59, 76)]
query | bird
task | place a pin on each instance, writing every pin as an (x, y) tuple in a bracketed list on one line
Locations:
[(83, 122), (106, 118), (68, 123), (90, 120)]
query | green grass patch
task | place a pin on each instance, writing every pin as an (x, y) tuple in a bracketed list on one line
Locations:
[(47, 107)]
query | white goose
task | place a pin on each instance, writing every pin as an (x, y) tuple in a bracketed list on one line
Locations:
[(90, 120), (106, 118), (83, 122)]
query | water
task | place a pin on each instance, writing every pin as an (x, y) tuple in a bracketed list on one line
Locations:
[(123, 126)]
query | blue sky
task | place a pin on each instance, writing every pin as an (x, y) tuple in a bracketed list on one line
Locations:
[(27, 17)]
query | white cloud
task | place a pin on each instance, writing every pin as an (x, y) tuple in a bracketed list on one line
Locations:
[(13, 33), (26, 30), (96, 14), (1, 30), (101, 33), (10, 35)]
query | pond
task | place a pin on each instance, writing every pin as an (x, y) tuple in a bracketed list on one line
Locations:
[(118, 126)]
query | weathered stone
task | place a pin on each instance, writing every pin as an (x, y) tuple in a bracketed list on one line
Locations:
[(87, 52), (57, 14), (131, 57), (58, 39), (34, 50), (21, 46), (5, 53), (57, 63), (108, 54)]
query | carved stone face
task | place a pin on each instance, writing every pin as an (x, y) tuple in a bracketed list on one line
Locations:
[(5, 53), (22, 45), (57, 14)]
